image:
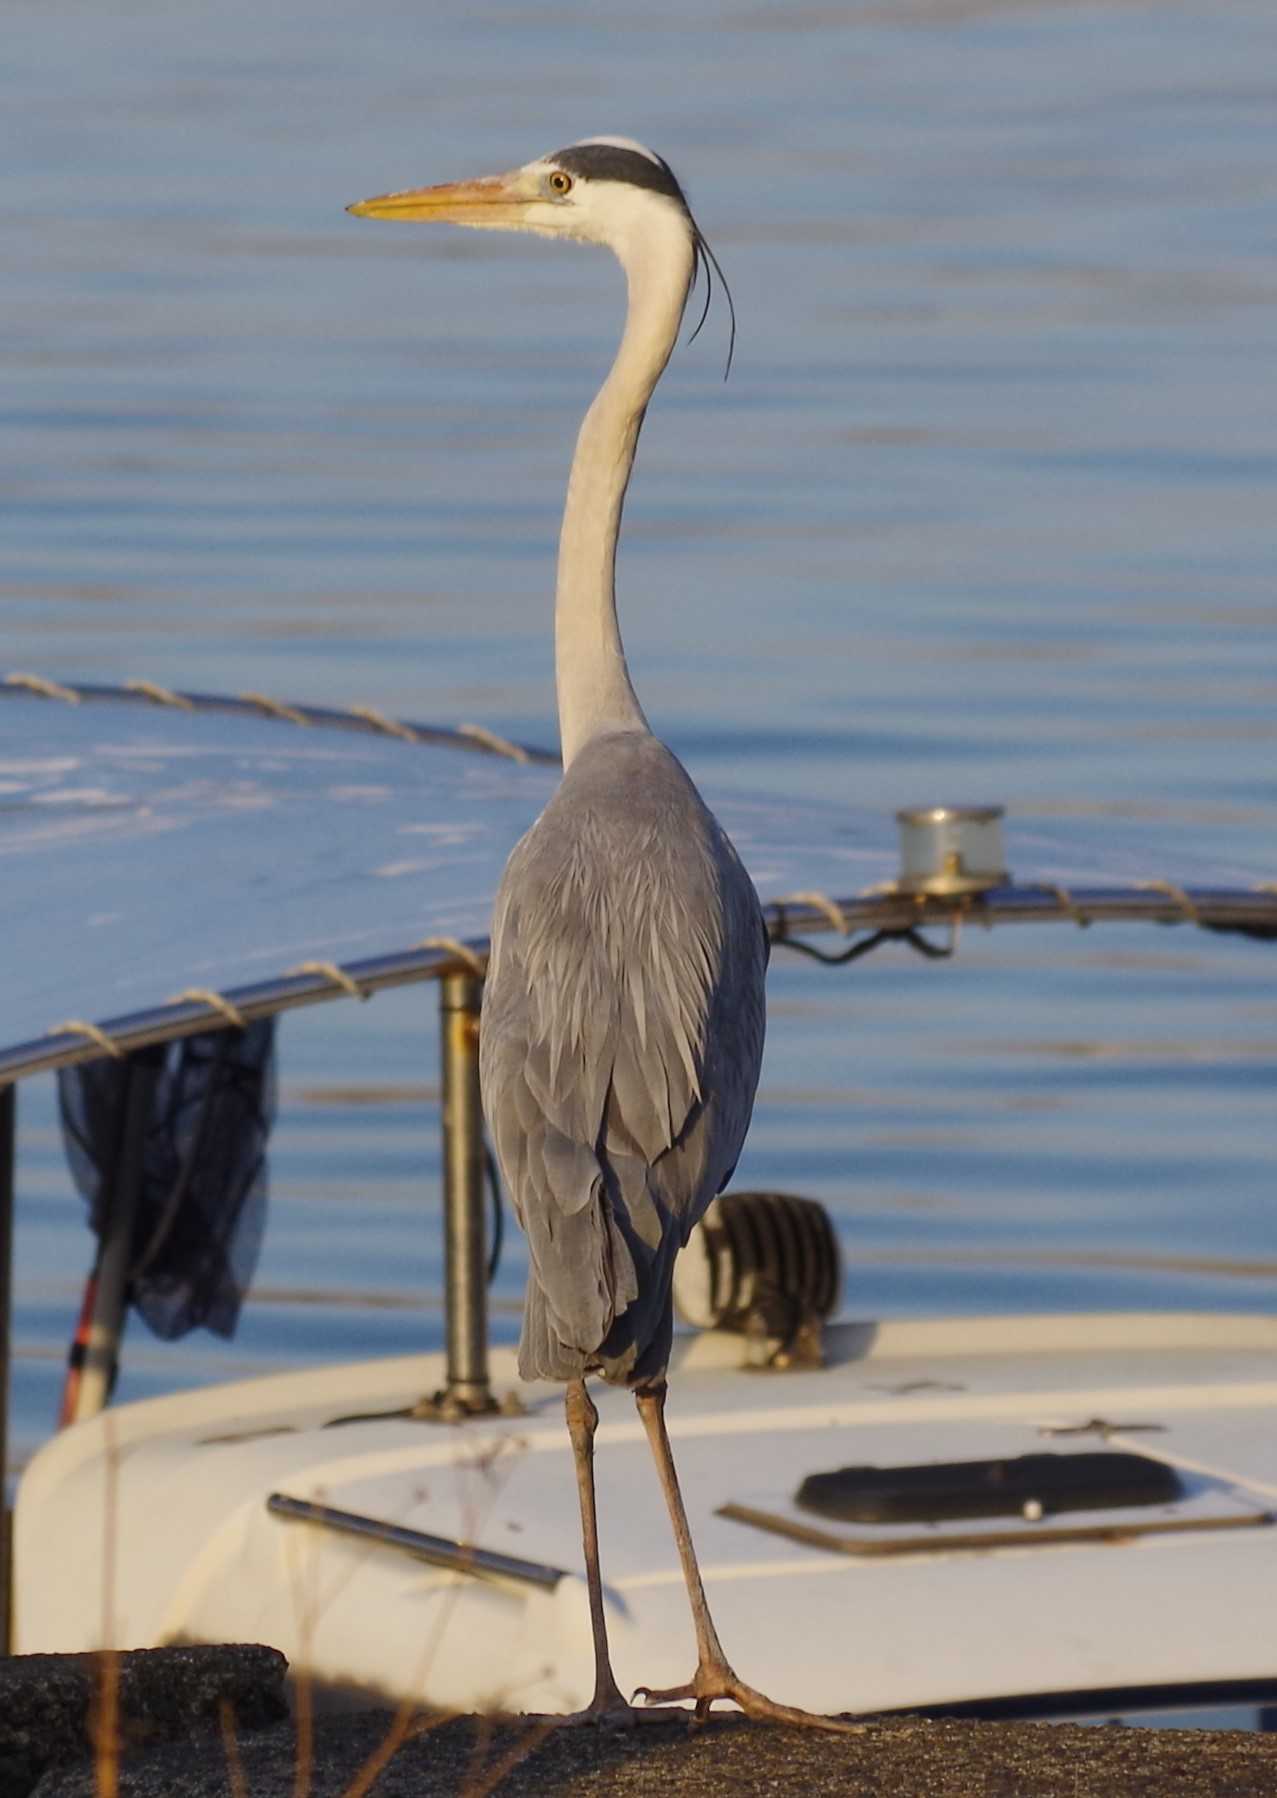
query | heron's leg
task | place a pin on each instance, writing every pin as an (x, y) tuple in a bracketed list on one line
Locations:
[(651, 1408), (714, 1676), (583, 1420)]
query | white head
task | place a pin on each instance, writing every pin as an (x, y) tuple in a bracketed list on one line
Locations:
[(599, 191), (603, 190)]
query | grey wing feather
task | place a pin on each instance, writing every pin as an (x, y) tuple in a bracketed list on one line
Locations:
[(621, 1041)]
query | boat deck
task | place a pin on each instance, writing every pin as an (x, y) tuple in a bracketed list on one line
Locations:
[(861, 1617)]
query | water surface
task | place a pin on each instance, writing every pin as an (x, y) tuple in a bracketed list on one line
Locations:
[(984, 512)]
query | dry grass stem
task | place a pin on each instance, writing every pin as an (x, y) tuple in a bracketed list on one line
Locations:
[(230, 1747), (488, 1779)]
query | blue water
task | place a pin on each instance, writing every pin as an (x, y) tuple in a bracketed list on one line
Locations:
[(984, 512)]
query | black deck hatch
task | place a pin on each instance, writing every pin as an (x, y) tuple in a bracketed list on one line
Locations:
[(1023, 1485)]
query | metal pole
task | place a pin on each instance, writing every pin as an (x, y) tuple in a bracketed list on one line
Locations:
[(115, 1259), (8, 1153), (466, 1274)]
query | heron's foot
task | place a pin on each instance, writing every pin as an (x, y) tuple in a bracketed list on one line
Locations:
[(715, 1679), (618, 1716), (609, 1709)]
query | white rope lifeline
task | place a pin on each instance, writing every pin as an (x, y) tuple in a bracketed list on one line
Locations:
[(453, 946), (1068, 904), (338, 976), (479, 733), (150, 689), (1178, 894), (821, 902), (218, 1002), (275, 708), (47, 689), (94, 1034), (389, 727)]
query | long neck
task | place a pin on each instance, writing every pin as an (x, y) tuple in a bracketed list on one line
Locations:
[(594, 690)]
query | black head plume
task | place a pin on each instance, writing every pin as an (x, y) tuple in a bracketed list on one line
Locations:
[(707, 260)]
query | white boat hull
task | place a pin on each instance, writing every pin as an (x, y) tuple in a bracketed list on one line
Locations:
[(150, 1523)]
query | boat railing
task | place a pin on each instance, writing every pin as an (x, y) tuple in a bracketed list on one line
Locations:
[(894, 914)]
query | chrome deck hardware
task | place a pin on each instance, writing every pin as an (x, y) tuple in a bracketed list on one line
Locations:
[(951, 849)]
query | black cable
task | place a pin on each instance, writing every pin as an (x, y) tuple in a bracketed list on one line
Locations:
[(854, 951), (1259, 933), (498, 1213)]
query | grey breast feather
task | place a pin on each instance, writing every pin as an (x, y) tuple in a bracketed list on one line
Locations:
[(622, 1032)]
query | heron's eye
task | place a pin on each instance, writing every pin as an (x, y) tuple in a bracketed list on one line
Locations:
[(560, 183)]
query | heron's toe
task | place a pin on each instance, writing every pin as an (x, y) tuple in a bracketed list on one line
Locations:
[(712, 1682)]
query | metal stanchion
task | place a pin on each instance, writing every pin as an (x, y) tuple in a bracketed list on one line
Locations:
[(468, 1390)]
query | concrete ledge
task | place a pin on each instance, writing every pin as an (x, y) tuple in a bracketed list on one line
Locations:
[(49, 1703), (730, 1758)]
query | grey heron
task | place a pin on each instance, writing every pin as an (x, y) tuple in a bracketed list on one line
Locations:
[(623, 1013)]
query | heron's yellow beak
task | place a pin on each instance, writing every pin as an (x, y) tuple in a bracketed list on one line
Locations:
[(492, 200)]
